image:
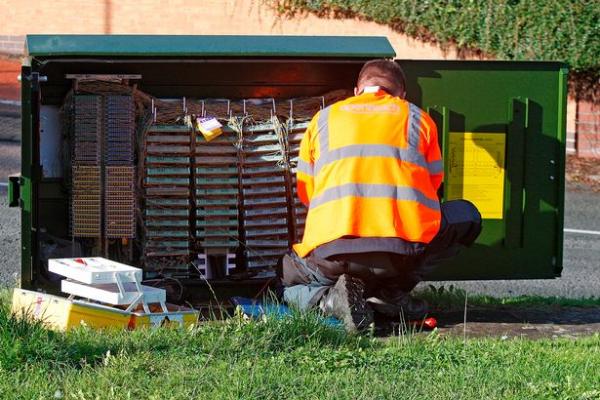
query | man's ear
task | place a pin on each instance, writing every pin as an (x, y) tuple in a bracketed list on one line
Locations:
[(356, 92)]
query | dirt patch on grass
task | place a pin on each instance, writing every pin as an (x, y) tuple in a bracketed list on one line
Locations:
[(507, 322), (531, 323)]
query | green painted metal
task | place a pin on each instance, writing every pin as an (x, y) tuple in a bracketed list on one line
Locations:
[(167, 171), (168, 160), (26, 169), (561, 128), (219, 212), (14, 191), (527, 102), (208, 46), (170, 128)]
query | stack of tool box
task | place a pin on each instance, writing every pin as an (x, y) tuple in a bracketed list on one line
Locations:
[(217, 197), (167, 186), (295, 133), (86, 190), (102, 294), (119, 179), (265, 199)]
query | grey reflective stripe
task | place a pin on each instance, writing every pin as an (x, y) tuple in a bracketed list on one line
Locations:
[(435, 167), (374, 191), (376, 150), (305, 167), (414, 126), (323, 129), (410, 154)]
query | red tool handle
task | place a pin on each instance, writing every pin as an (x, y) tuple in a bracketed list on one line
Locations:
[(427, 323)]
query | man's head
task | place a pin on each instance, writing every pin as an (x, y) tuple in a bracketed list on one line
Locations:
[(384, 73)]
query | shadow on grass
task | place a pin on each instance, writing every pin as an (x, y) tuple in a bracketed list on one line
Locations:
[(453, 299)]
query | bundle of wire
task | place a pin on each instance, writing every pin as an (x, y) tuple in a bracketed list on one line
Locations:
[(264, 138), (169, 111)]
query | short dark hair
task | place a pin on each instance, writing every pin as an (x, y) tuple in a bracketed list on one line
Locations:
[(384, 73)]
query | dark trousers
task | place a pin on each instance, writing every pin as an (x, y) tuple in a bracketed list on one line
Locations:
[(306, 280)]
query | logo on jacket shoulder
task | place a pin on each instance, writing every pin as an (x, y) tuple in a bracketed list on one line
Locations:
[(358, 108)]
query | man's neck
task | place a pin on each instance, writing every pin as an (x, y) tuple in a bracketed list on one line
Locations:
[(371, 89)]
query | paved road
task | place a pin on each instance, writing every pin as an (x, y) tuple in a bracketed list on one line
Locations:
[(10, 225), (581, 262), (10, 160), (10, 122), (10, 230), (581, 275)]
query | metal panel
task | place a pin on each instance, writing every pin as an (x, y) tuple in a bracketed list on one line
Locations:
[(211, 78), (526, 101), (209, 46), (50, 138), (28, 143), (14, 190)]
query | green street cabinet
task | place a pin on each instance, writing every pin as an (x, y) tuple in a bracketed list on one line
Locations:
[(501, 125)]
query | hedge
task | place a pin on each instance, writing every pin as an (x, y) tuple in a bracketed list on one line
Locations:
[(567, 30)]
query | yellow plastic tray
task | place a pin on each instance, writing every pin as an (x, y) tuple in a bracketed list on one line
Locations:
[(59, 313)]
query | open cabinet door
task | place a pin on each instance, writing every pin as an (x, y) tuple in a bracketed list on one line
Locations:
[(30, 105), (502, 132)]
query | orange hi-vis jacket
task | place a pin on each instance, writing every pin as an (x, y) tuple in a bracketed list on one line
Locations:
[(369, 166)]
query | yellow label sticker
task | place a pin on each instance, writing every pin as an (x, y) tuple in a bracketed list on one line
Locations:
[(476, 171)]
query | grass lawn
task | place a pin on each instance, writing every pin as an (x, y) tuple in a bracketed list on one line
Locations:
[(296, 357)]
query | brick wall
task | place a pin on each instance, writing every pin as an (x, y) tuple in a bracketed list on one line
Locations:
[(588, 129), (571, 137), (189, 17), (11, 44)]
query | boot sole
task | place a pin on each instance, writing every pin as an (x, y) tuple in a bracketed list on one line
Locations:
[(353, 310)]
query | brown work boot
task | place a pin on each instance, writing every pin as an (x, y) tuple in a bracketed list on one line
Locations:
[(345, 301), (398, 304)]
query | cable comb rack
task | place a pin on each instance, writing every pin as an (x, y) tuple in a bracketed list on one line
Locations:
[(216, 170), (87, 130), (119, 178), (102, 172), (299, 211), (86, 173), (86, 201), (119, 202), (263, 175), (119, 119), (167, 189)]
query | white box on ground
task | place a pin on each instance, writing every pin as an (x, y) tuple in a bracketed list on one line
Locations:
[(109, 292), (94, 270)]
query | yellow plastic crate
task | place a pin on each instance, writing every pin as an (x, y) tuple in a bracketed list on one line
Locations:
[(59, 313)]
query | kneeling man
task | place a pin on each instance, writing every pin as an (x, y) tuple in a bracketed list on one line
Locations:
[(369, 170)]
